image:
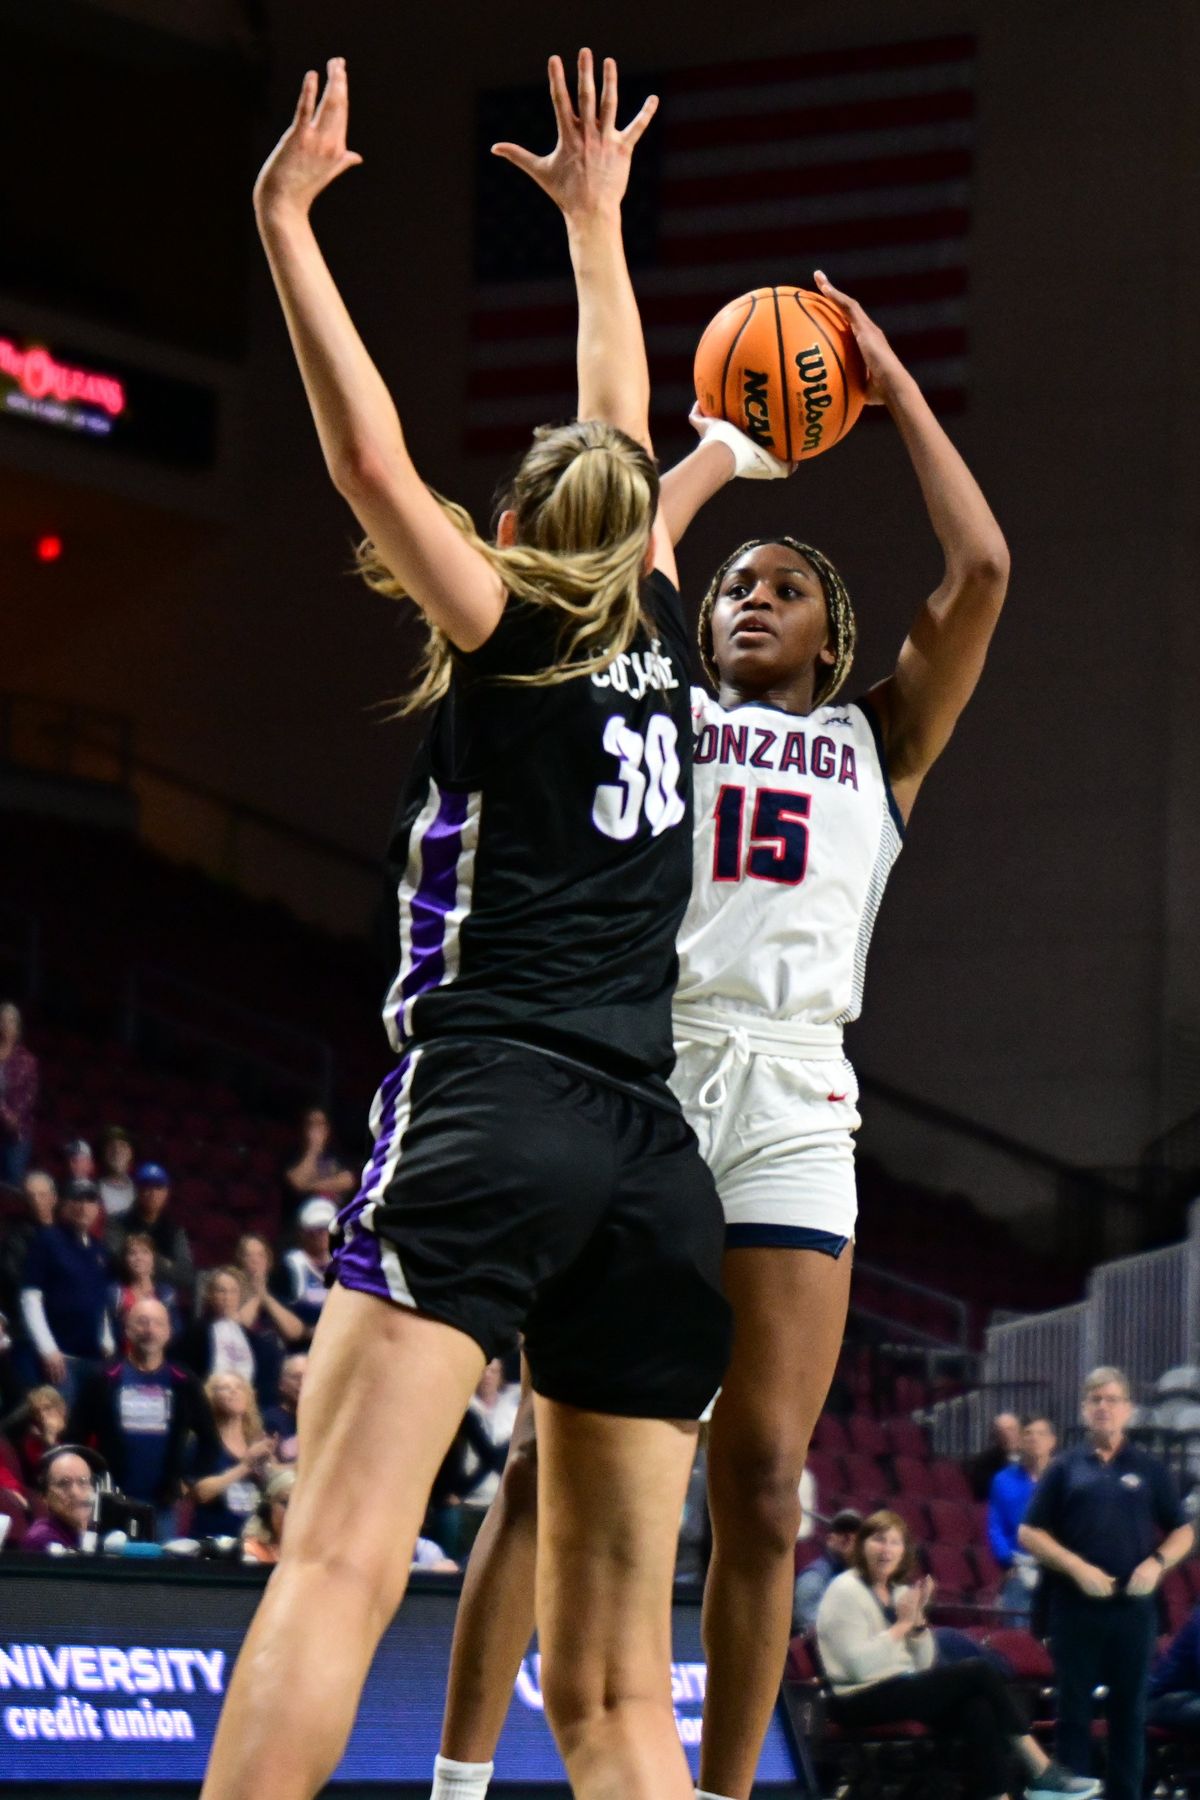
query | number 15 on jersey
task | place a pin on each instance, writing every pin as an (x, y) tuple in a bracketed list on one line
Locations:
[(777, 848)]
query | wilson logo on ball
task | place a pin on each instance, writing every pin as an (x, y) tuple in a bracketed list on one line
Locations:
[(814, 396)]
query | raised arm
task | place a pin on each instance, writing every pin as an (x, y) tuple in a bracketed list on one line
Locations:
[(942, 658), (586, 175), (356, 419)]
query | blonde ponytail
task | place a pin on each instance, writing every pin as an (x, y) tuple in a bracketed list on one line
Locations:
[(585, 496)]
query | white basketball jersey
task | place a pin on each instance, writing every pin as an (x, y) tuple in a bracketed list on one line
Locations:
[(796, 832)]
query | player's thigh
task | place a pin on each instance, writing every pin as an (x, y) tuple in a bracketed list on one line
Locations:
[(789, 1312), (611, 1494), (384, 1393)]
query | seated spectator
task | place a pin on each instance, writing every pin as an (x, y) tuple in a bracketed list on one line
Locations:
[(68, 1481), (143, 1414), (483, 1441), (135, 1272), (280, 1420), (304, 1269), (317, 1171), (12, 1479), (226, 1478), (1005, 1448), (45, 1425), (812, 1581), (1175, 1681), (116, 1181), (431, 1559), (41, 1200), (18, 1097), (262, 1534), (148, 1213), (78, 1160), (806, 1493), (262, 1313), (64, 1292), (1008, 1503), (218, 1343), (879, 1658)]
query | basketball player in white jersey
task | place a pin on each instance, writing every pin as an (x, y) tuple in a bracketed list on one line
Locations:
[(801, 801)]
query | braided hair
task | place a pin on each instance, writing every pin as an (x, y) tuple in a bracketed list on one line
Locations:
[(842, 623)]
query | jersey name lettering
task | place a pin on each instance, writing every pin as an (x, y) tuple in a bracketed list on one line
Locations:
[(760, 747), (635, 672)]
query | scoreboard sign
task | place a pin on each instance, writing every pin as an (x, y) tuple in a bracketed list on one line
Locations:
[(59, 388)]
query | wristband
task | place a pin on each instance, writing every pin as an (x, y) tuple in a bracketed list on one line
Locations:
[(750, 461)]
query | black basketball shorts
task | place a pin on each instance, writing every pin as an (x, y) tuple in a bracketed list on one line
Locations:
[(508, 1191)]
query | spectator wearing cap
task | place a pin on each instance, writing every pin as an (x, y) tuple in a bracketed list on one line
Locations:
[(67, 1479), (1106, 1523), (149, 1214), (813, 1580), (18, 1097), (64, 1291), (137, 1280), (144, 1413), (304, 1268), (218, 1343), (41, 1202), (80, 1163), (317, 1171), (116, 1163)]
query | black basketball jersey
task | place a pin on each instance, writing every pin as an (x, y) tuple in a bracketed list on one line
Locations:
[(542, 853)]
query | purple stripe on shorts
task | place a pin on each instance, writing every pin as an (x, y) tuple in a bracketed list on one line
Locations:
[(389, 1093), (359, 1265), (436, 892)]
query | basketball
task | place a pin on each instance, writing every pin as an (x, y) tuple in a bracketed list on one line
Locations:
[(782, 365)]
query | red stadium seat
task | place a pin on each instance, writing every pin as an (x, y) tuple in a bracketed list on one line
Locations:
[(826, 1470), (1028, 1659), (952, 1523), (906, 1438), (987, 1569), (950, 1483), (912, 1509), (830, 1434), (863, 1474), (913, 1477), (866, 1435), (951, 1570)]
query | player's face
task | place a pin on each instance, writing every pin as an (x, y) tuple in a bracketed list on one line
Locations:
[(770, 621)]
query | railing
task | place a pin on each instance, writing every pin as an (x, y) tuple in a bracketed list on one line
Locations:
[(962, 1426), (323, 881), (163, 1011), (871, 1287)]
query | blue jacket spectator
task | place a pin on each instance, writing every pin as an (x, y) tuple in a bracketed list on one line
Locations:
[(1011, 1490)]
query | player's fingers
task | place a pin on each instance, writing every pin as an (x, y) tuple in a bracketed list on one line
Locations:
[(608, 95), (585, 87), (560, 96), (307, 99), (520, 158), (637, 125), (827, 288), (333, 113)]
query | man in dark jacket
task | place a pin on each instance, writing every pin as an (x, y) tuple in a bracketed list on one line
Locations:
[(142, 1412)]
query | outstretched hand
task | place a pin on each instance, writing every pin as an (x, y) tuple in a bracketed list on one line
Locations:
[(312, 151), (588, 169), (882, 364)]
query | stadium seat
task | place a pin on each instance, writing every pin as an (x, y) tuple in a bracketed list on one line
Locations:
[(950, 1483), (906, 1438), (866, 1435), (914, 1477), (951, 1570), (830, 1434), (952, 1522)]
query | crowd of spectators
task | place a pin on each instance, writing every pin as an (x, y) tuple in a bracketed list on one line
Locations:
[(177, 1386)]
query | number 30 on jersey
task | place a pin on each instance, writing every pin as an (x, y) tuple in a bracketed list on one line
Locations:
[(647, 784)]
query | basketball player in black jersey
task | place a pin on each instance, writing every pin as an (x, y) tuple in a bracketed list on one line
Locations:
[(530, 1168)]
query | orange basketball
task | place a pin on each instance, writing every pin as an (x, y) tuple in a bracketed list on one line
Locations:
[(782, 365)]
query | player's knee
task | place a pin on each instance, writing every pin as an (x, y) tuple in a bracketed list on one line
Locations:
[(758, 1499)]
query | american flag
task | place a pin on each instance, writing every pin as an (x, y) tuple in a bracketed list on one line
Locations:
[(854, 160)]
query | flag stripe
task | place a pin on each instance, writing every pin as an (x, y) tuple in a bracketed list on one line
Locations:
[(826, 180), (868, 115), (851, 60)]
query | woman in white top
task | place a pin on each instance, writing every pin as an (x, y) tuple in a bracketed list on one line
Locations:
[(880, 1659)]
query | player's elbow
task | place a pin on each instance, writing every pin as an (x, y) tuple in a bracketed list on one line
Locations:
[(987, 570), (362, 471)]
